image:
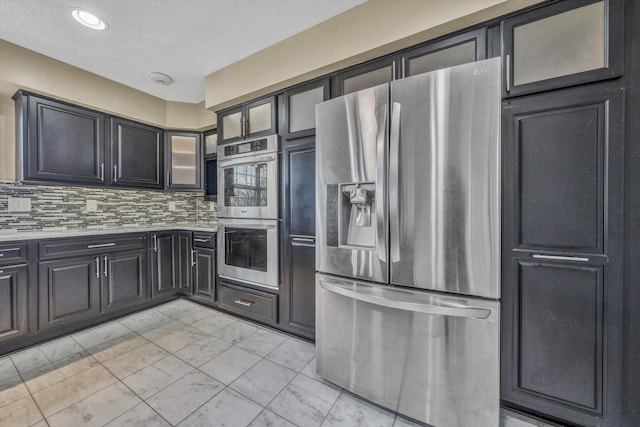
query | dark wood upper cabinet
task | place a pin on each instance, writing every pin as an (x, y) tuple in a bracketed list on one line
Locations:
[(461, 49), (366, 75), (563, 44), (137, 155), (184, 161), (256, 118), (300, 107), (59, 142)]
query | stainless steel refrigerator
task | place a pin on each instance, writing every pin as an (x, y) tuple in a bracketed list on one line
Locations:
[(408, 234)]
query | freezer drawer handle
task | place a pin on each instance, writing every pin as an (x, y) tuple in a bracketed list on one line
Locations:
[(441, 310), (244, 302), (561, 258)]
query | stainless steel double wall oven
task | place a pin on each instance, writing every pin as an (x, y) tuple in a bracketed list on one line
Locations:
[(248, 211)]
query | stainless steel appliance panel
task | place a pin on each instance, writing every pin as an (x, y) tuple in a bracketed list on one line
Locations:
[(426, 355), (248, 251), (248, 179), (351, 193), (444, 180)]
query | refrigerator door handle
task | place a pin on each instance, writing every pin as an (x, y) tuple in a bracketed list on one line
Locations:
[(433, 309), (394, 187), (381, 182)]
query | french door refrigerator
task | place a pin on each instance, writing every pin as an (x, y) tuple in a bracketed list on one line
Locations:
[(408, 232)]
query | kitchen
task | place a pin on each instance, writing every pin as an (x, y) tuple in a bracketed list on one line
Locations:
[(583, 273)]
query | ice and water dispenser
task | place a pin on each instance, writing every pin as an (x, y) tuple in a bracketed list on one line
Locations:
[(354, 215)]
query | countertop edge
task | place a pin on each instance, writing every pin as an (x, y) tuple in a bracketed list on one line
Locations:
[(61, 234)]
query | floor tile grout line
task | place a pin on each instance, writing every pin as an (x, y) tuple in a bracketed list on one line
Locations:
[(28, 391)]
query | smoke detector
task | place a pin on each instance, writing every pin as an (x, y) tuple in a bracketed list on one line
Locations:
[(161, 78)]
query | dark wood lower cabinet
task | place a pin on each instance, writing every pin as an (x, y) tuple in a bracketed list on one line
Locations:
[(124, 282), (301, 310), (184, 263), (68, 290), (163, 264), (13, 302), (204, 275)]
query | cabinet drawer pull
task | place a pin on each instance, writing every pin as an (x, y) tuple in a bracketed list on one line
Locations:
[(105, 266), (98, 267), (303, 239), (201, 240), (244, 302), (101, 245), (1, 271), (561, 258), (1, 255)]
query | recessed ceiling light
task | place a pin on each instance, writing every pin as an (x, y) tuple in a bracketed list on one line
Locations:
[(88, 19)]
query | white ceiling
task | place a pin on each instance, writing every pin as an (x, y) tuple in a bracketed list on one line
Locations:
[(186, 39)]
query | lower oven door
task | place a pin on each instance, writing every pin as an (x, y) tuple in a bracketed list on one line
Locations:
[(248, 251), (431, 356)]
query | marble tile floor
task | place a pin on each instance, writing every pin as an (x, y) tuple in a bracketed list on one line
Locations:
[(181, 364)]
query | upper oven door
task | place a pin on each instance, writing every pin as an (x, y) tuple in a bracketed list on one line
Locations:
[(248, 251), (248, 185)]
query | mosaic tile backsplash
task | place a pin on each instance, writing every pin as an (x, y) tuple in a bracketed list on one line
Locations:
[(55, 207)]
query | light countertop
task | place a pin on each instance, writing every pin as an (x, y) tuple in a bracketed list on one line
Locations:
[(51, 234)]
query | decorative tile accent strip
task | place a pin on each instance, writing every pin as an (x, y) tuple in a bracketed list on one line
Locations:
[(65, 208)]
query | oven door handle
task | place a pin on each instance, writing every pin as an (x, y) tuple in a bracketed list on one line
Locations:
[(248, 225), (249, 160)]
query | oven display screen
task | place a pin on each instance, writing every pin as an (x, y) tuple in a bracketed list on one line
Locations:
[(246, 248)]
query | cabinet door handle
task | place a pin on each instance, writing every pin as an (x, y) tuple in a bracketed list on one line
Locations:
[(115, 173), (105, 265), (561, 258), (155, 243), (1, 255), (98, 267), (1, 271), (102, 171), (101, 245), (244, 302), (507, 73), (193, 258), (168, 178), (393, 70), (402, 69)]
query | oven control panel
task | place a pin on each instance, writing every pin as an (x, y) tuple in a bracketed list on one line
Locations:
[(246, 147)]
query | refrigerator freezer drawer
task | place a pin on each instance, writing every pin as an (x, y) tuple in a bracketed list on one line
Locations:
[(429, 356)]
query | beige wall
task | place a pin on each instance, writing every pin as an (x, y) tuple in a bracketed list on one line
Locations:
[(369, 30), (25, 69)]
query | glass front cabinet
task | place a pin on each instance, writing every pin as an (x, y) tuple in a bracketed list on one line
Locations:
[(184, 161), (564, 44), (256, 118)]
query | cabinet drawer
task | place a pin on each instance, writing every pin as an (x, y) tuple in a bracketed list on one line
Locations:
[(204, 240), (257, 305), (13, 253), (87, 246)]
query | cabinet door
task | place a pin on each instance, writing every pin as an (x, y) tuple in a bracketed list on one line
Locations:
[(461, 49), (231, 125), (163, 271), (137, 155), (260, 117), (562, 250), (13, 302), (184, 161), (300, 108), (68, 290), (123, 282), (365, 76), (64, 143), (205, 273), (298, 291), (185, 263), (301, 297), (563, 44)]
